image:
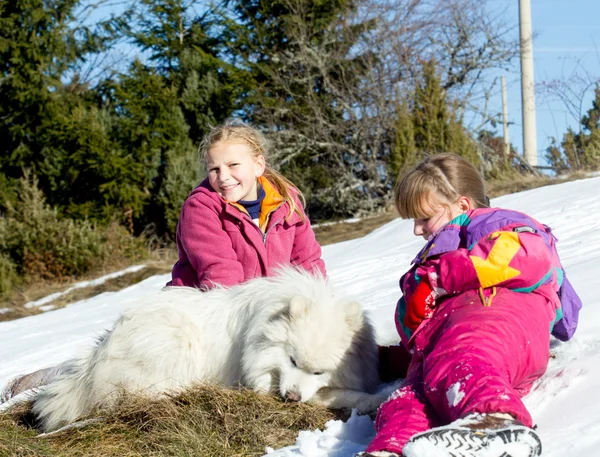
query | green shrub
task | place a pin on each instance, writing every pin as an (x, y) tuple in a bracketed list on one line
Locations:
[(8, 275), (37, 243)]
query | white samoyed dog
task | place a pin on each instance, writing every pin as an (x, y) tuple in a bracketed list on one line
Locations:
[(290, 334)]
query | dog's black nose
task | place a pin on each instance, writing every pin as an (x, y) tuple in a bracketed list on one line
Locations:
[(292, 396)]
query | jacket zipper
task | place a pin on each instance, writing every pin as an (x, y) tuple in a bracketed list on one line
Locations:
[(269, 229), (264, 234)]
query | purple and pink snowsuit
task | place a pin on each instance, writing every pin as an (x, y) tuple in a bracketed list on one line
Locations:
[(498, 284)]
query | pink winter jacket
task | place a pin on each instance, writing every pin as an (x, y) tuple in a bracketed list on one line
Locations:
[(481, 250), (218, 243)]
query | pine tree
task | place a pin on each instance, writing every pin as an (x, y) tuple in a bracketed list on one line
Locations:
[(405, 150), (429, 125), (152, 149), (185, 49), (38, 46), (579, 150)]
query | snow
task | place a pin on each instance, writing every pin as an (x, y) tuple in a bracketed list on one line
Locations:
[(354, 220), (454, 395), (564, 403)]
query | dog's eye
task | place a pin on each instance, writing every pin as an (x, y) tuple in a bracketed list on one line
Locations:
[(318, 373), (293, 361)]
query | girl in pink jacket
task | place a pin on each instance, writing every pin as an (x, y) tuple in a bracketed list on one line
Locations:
[(240, 223), (244, 219), (477, 312)]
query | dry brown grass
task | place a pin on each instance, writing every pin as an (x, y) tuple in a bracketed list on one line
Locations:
[(343, 231), (519, 183), (204, 421)]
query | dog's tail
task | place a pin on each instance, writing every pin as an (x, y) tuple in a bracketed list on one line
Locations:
[(69, 396)]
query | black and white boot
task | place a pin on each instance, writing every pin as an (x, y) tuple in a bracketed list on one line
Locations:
[(477, 435)]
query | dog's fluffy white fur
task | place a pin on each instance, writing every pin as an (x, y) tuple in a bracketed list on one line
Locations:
[(289, 334)]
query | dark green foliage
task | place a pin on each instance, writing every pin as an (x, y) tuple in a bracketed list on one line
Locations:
[(579, 150), (37, 243), (270, 40), (150, 133), (123, 149), (428, 124), (37, 49), (185, 50)]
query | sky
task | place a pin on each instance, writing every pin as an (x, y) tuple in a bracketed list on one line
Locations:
[(566, 41), (564, 402)]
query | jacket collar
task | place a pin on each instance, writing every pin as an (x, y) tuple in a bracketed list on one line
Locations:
[(272, 201), (447, 239)]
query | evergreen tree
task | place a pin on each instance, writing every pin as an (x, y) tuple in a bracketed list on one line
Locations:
[(405, 150), (306, 71), (429, 126), (579, 150), (153, 149), (185, 49), (37, 48)]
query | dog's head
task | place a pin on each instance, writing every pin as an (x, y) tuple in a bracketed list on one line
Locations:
[(328, 343)]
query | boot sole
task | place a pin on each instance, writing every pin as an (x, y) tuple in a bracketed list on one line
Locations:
[(464, 442)]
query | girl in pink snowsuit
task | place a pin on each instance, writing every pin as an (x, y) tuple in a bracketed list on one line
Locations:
[(477, 311)]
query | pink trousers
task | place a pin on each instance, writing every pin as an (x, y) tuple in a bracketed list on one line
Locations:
[(469, 358)]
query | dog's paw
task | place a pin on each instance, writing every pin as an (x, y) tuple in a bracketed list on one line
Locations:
[(363, 402)]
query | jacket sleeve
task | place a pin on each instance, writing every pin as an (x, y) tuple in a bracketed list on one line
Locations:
[(520, 261), (207, 245), (306, 251)]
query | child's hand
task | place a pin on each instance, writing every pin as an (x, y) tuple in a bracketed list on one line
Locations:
[(419, 305)]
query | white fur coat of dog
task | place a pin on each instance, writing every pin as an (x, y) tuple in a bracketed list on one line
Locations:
[(290, 334)]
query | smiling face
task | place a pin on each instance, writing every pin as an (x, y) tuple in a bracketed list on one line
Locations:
[(233, 169)]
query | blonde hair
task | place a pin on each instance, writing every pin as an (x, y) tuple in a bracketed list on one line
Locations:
[(445, 176), (234, 131)]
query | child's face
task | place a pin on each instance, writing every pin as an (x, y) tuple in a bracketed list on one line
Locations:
[(441, 213), (232, 171)]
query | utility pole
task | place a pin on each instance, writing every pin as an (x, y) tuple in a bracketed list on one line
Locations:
[(505, 119), (527, 85)]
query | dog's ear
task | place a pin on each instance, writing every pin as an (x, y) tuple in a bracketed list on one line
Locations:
[(298, 306), (354, 315)]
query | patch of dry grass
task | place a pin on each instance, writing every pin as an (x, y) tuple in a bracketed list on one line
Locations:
[(205, 421), (519, 183), (343, 231)]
